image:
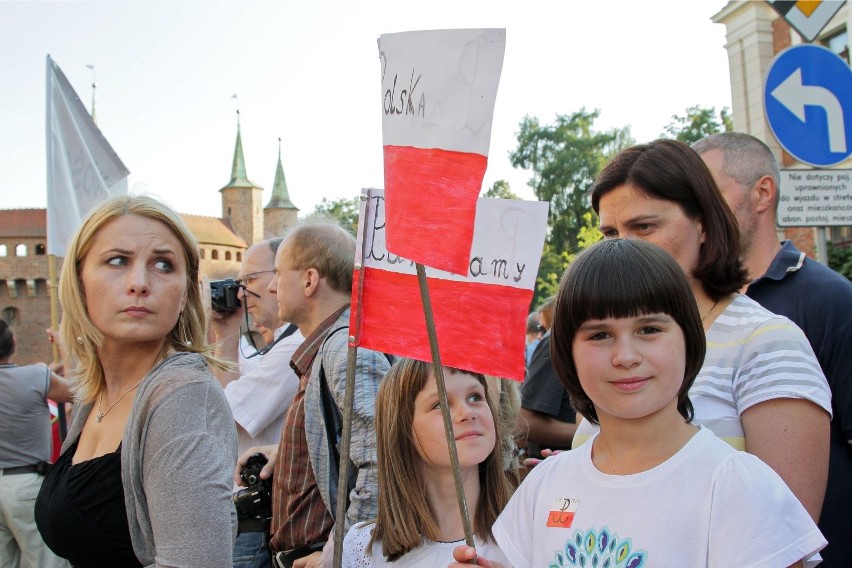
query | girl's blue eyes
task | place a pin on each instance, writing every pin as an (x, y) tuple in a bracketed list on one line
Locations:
[(472, 397)]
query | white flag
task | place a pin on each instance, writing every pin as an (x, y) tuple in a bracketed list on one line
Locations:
[(82, 168)]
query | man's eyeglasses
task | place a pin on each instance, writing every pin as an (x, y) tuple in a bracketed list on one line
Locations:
[(251, 277)]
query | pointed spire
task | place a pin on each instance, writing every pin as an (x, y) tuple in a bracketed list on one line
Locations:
[(238, 170), (280, 196)]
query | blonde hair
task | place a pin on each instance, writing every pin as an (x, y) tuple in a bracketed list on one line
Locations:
[(507, 394), (80, 338), (546, 311), (405, 516)]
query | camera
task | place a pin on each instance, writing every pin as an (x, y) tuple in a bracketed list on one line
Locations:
[(255, 501), (223, 295)]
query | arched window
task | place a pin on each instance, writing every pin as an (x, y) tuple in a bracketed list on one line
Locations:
[(3, 250), (239, 257), (215, 254), (39, 248), (227, 255), (201, 253), (10, 314), (21, 250)]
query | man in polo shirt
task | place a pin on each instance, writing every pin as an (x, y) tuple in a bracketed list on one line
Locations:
[(313, 283), (816, 298)]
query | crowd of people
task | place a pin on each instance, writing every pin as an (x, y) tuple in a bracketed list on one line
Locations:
[(694, 363)]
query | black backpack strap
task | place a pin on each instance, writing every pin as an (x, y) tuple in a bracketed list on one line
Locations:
[(334, 431), (333, 420)]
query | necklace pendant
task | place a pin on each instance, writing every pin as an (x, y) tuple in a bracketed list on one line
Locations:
[(99, 417)]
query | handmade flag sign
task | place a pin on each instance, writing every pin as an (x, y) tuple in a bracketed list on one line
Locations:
[(479, 317), (438, 93), (82, 168)]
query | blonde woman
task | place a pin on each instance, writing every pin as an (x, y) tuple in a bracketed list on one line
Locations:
[(144, 478)]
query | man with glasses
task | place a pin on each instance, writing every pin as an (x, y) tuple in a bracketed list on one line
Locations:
[(260, 398)]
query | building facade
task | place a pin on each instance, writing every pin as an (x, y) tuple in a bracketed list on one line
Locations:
[(755, 34), (25, 301)]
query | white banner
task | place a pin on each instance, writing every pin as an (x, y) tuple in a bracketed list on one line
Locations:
[(82, 168), (507, 241), (439, 88)]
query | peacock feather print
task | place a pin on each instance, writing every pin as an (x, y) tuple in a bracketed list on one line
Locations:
[(598, 550)]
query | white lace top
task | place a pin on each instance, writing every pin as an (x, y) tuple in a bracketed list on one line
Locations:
[(358, 554)]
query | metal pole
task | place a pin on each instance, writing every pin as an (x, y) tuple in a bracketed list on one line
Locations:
[(822, 246), (54, 320)]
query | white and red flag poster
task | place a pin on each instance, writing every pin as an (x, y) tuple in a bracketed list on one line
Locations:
[(480, 317), (82, 168), (438, 93)]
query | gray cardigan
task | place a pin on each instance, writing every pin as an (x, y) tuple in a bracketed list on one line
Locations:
[(178, 455)]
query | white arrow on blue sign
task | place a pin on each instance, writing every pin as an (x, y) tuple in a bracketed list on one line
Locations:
[(808, 100)]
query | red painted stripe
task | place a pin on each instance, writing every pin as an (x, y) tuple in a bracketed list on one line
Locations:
[(480, 327), (431, 204)]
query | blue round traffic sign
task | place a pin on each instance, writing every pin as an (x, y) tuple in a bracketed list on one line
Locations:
[(808, 100)]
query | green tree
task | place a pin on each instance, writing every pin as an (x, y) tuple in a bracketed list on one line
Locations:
[(564, 158), (840, 259), (344, 210), (553, 263), (697, 123), (500, 190)]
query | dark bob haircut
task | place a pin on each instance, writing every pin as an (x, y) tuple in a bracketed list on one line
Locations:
[(671, 170), (620, 278)]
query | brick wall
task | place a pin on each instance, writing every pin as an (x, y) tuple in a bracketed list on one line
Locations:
[(24, 298), (242, 207)]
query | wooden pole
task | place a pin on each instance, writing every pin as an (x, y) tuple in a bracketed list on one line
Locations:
[(445, 407), (54, 320), (343, 467)]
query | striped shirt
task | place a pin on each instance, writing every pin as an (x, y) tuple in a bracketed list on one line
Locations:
[(752, 356)]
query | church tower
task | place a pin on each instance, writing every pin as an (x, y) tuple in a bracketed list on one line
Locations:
[(241, 199), (280, 213)]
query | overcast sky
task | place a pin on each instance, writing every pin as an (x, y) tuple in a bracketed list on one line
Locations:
[(308, 72)]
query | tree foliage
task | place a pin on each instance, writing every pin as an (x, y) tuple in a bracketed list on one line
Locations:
[(344, 210), (840, 259), (564, 158), (697, 123), (553, 263), (500, 190)]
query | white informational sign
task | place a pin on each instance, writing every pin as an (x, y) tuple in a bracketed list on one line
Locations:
[(815, 198)]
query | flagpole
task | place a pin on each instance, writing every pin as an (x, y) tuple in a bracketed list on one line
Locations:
[(345, 444), (54, 319), (445, 407)]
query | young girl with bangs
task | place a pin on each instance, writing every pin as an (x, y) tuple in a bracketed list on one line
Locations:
[(649, 488), (419, 523)]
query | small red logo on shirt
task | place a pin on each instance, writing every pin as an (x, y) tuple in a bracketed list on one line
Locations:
[(561, 515)]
